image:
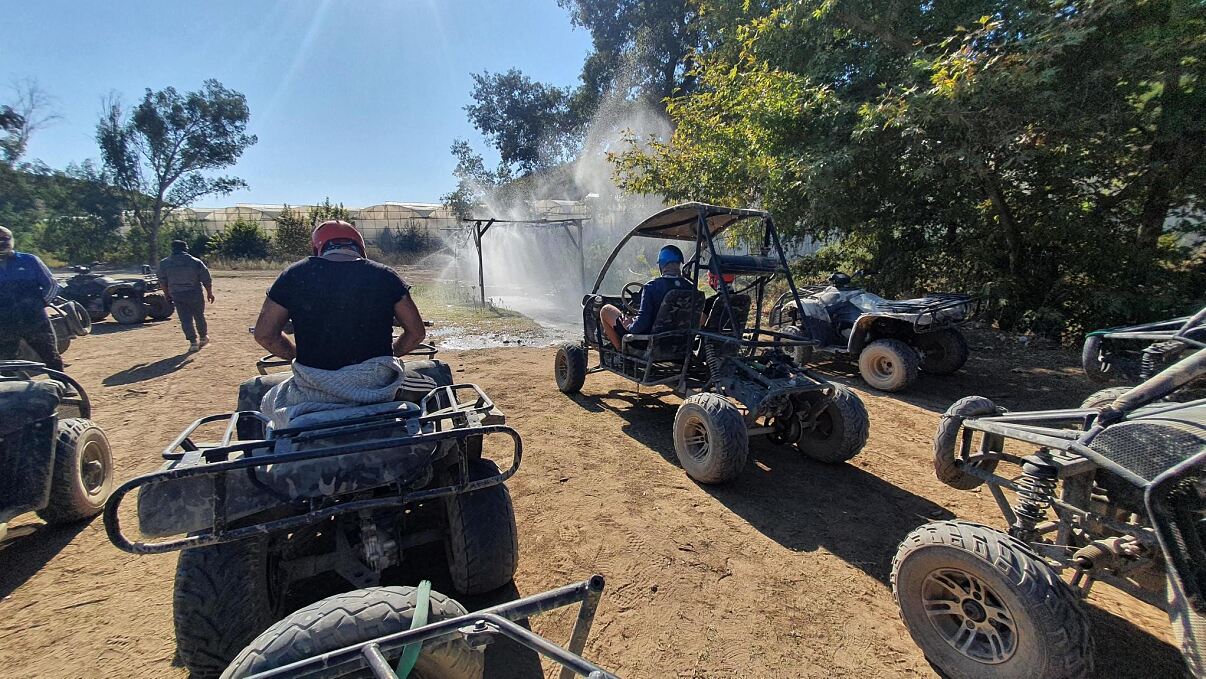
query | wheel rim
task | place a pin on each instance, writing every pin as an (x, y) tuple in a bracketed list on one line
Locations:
[(969, 616), (882, 368), (561, 368), (822, 427), (92, 467), (695, 436)]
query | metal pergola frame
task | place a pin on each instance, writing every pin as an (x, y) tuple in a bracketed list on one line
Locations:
[(480, 225)]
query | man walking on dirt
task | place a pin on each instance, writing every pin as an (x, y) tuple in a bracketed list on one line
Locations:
[(26, 287), (182, 276), (616, 324)]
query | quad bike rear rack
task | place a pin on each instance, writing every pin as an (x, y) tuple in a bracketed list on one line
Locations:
[(501, 619), (439, 408)]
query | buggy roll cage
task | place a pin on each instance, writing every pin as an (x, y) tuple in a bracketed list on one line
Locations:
[(439, 407), (1177, 329), (20, 371), (501, 619)]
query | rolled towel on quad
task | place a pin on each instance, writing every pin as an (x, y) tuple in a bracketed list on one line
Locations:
[(311, 390)]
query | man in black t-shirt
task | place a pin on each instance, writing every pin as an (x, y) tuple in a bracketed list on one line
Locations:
[(342, 305)]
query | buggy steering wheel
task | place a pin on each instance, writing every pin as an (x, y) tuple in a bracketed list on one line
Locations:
[(630, 297)]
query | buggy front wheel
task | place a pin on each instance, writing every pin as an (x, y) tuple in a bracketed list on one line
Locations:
[(839, 431), (569, 367), (983, 605), (710, 438)]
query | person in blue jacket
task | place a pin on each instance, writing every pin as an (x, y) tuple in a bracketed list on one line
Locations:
[(26, 287), (616, 324)]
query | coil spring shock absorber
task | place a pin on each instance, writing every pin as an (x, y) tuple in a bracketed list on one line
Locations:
[(1036, 492), (1148, 363), (710, 356)]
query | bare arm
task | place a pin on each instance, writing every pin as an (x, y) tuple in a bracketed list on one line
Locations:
[(269, 330), (413, 331)]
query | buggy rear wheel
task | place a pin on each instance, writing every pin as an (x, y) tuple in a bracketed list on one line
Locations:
[(981, 604), (225, 595), (83, 473), (888, 365), (128, 311), (354, 617), (948, 465), (710, 438), (482, 544), (569, 367), (839, 431), (942, 351), (158, 307)]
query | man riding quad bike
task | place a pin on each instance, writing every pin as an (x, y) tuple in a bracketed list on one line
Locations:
[(736, 378), (54, 460), (1115, 494), (890, 339), (328, 475), (129, 300)]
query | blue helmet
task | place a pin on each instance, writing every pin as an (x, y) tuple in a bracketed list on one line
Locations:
[(668, 254)]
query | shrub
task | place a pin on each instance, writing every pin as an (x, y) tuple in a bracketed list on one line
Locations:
[(241, 240)]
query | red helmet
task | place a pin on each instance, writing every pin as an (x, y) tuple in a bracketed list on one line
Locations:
[(712, 281), (333, 230)]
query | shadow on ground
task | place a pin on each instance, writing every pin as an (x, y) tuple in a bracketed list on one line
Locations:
[(29, 548), (1125, 651), (111, 326), (147, 371)]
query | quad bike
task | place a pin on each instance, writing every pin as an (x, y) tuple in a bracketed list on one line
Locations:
[(1138, 352), (1116, 495), (388, 632), (68, 320), (53, 459), (331, 500), (737, 381), (892, 340), (128, 300)]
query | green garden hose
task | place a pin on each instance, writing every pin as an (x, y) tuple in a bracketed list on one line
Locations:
[(410, 652)]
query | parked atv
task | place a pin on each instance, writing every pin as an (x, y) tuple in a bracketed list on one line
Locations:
[(1116, 495), (53, 459), (128, 300), (736, 380), (68, 320), (332, 500), (392, 632), (891, 339)]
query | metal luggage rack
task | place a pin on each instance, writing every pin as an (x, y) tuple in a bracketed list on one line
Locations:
[(502, 619), (214, 462), (925, 314)]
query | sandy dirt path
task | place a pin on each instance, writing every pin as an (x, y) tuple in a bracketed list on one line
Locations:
[(781, 574)]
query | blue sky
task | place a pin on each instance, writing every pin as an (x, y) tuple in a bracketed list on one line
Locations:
[(358, 100)]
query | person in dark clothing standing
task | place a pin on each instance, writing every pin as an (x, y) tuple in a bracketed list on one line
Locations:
[(182, 276), (342, 305), (26, 287)]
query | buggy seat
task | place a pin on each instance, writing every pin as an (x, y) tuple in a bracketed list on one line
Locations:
[(670, 337)]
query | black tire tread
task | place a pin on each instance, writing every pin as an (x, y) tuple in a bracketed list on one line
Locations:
[(729, 427), (66, 505), (139, 319), (856, 427), (1103, 397), (483, 542), (947, 466), (1088, 359), (575, 358), (955, 348)]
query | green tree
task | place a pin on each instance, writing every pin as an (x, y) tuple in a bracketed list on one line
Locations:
[(325, 211), (241, 240), (159, 152), (292, 237)]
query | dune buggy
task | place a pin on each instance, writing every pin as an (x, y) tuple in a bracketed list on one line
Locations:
[(735, 377), (1136, 353), (54, 460), (396, 632), (332, 500), (130, 300), (891, 340), (1116, 495)]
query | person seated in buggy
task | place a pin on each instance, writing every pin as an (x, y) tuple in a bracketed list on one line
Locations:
[(616, 324)]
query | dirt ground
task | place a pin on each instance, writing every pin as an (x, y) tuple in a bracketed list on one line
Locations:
[(781, 574)]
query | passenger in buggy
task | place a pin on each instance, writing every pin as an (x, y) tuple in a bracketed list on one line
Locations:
[(616, 324)]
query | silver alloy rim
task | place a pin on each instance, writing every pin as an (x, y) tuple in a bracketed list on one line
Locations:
[(696, 438), (92, 467), (969, 616)]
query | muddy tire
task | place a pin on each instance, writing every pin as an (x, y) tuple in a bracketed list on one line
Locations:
[(710, 438), (128, 311), (888, 365), (841, 429), (482, 545), (1025, 622), (78, 320), (800, 355), (158, 307), (1100, 399), (942, 351), (347, 619), (569, 368), (83, 473), (225, 596), (947, 466)]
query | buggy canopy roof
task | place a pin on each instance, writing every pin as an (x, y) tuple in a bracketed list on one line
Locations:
[(680, 222)]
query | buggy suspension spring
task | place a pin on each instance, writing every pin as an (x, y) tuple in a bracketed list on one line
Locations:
[(713, 364), (1036, 493), (1149, 363)]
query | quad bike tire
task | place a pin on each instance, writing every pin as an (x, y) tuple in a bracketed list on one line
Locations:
[(82, 478), (128, 311), (800, 355), (947, 467), (841, 429), (225, 595), (889, 365), (354, 617), (569, 367), (158, 307), (710, 438), (1103, 397), (947, 575), (942, 351), (78, 319), (482, 545)]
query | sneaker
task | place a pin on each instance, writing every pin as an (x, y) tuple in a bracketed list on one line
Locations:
[(204, 341), (193, 346)]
